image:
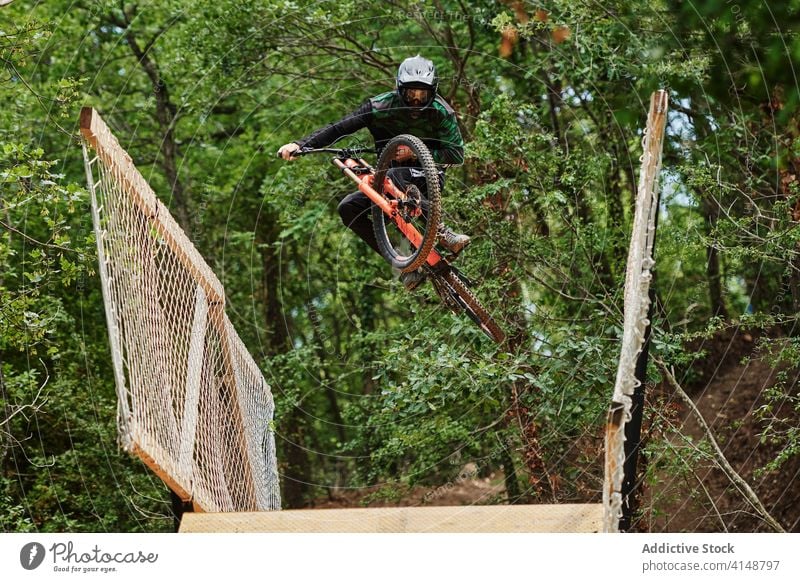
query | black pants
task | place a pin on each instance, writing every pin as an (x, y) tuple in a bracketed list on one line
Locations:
[(356, 209)]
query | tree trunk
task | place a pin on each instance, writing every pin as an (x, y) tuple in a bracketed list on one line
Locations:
[(365, 305), (296, 477), (166, 115), (541, 484), (598, 258), (297, 473), (616, 213), (510, 476), (710, 211), (5, 415), (330, 393), (518, 413)]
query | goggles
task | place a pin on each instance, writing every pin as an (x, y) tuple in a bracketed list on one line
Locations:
[(416, 97)]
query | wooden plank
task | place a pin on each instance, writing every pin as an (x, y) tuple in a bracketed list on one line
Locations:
[(118, 162), (194, 372), (468, 518), (98, 135), (160, 472)]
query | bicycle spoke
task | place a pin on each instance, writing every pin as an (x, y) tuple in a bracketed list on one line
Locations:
[(420, 210)]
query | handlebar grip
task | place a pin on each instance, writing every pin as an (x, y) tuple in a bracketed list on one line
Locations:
[(295, 154)]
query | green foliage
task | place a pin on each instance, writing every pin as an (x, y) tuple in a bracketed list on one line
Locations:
[(780, 410)]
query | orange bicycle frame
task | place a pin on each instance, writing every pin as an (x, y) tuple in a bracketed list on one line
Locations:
[(388, 207)]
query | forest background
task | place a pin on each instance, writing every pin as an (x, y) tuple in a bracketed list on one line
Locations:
[(379, 392)]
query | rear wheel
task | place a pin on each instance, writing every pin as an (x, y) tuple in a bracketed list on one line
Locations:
[(423, 212), (457, 295)]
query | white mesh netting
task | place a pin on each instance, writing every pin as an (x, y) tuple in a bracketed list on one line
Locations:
[(192, 402), (637, 302)]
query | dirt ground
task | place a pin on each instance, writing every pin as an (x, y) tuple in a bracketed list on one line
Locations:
[(468, 488), (729, 386)]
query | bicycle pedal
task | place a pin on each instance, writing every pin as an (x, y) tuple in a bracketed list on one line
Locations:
[(453, 256)]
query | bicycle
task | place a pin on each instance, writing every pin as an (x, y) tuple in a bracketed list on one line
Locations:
[(398, 216)]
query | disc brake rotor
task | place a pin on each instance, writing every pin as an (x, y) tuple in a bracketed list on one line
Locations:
[(411, 205)]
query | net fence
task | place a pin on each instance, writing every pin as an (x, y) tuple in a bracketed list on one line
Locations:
[(636, 305), (192, 403)]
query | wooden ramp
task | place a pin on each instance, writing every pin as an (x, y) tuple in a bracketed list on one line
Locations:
[(586, 518)]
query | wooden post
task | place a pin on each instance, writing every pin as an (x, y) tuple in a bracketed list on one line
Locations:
[(656, 123), (623, 428)]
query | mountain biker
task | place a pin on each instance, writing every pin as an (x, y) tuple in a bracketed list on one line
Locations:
[(415, 108)]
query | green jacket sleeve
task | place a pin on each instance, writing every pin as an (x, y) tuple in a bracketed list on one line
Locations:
[(451, 152)]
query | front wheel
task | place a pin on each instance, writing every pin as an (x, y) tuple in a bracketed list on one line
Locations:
[(414, 208)]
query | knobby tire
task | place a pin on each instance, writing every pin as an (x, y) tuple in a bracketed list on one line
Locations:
[(473, 307), (418, 258)]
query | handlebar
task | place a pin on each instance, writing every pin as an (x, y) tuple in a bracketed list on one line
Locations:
[(340, 152)]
